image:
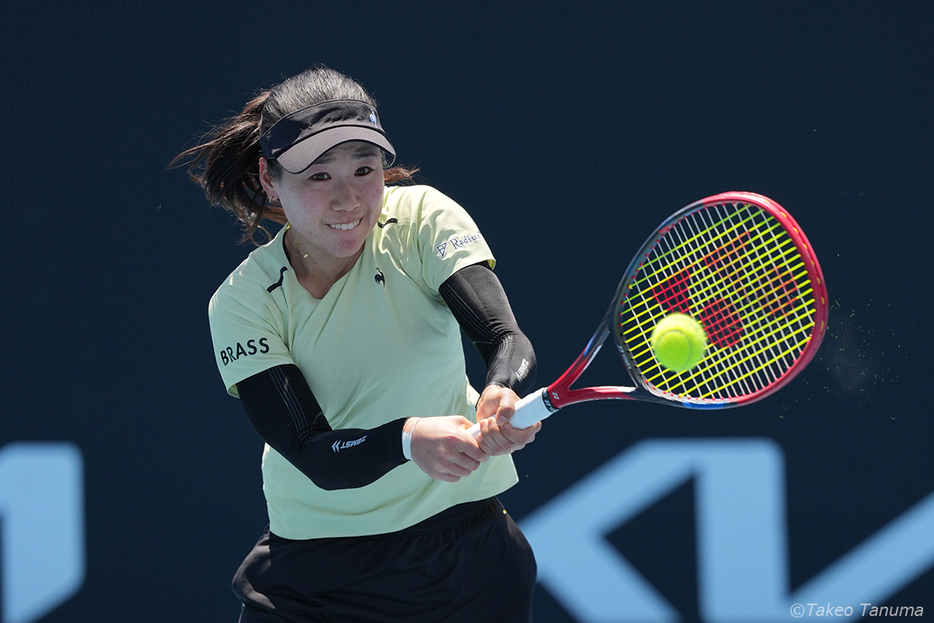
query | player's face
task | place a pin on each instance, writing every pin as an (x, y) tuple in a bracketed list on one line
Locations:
[(334, 204)]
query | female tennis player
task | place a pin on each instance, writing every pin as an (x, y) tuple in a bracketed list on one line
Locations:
[(341, 338)]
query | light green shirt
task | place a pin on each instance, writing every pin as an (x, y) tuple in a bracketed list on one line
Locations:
[(379, 346)]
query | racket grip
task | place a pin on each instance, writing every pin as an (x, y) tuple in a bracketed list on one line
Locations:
[(529, 410)]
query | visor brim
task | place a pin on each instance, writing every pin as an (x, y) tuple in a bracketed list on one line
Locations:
[(303, 154)]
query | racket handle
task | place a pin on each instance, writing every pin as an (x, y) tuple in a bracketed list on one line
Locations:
[(529, 410)]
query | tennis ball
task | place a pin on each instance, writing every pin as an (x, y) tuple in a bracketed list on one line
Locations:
[(679, 342)]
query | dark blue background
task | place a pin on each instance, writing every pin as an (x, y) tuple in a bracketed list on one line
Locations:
[(569, 131)]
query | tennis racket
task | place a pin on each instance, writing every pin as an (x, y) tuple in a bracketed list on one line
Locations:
[(737, 263)]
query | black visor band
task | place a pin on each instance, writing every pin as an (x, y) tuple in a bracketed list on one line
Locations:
[(298, 139)]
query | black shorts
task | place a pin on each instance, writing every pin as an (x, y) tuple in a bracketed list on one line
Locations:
[(470, 563)]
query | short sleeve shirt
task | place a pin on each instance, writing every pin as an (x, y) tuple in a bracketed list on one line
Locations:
[(379, 346)]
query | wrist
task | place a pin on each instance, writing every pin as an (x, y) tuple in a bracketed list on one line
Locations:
[(407, 429)]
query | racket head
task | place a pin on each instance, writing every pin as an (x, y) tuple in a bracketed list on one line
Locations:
[(739, 264)]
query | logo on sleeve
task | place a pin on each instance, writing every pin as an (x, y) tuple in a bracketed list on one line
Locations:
[(252, 347), (456, 243), (339, 445)]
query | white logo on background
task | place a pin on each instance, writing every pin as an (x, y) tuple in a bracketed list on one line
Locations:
[(742, 550), (42, 513)]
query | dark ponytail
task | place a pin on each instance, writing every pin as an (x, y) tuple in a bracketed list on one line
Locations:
[(225, 164)]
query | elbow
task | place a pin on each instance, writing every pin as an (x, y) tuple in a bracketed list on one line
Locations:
[(324, 479), (327, 484), (333, 480)]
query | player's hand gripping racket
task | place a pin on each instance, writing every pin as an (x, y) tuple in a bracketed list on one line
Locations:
[(738, 264)]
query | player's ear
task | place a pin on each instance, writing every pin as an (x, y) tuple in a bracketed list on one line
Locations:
[(265, 179)]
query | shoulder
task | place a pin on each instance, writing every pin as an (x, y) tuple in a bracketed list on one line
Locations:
[(409, 195), (415, 202), (427, 213), (432, 234), (255, 279)]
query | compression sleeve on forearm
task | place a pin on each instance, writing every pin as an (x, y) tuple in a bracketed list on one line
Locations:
[(477, 299), (283, 410)]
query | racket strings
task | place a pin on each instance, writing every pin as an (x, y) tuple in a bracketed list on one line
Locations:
[(755, 365), (734, 268), (720, 259), (727, 323)]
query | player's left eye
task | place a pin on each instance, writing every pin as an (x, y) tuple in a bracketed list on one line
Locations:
[(364, 170)]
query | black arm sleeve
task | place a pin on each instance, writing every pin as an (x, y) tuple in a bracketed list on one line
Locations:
[(478, 302), (283, 410)]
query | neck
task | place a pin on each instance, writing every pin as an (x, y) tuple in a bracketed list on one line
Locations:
[(316, 273)]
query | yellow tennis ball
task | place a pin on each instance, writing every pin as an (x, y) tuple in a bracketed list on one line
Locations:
[(679, 342)]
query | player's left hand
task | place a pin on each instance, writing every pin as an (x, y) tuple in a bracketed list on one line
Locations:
[(497, 404)]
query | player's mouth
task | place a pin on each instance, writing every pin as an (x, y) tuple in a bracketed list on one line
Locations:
[(345, 226)]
